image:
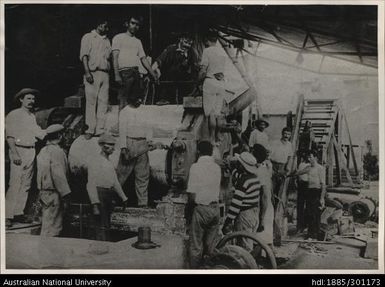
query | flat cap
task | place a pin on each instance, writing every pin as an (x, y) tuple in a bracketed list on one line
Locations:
[(55, 128), (26, 91), (107, 138)]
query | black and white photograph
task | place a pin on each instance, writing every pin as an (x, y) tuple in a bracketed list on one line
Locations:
[(204, 137)]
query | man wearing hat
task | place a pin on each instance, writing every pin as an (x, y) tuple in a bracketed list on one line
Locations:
[(244, 213), (258, 135), (52, 182), (103, 185), (176, 63), (22, 132)]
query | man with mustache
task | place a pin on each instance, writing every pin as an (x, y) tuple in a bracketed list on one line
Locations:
[(22, 132)]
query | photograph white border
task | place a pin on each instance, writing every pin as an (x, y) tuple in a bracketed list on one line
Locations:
[(381, 12)]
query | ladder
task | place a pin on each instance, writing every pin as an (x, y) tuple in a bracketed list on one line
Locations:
[(322, 121), (326, 120)]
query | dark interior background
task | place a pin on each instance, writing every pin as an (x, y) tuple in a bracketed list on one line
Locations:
[(42, 41)]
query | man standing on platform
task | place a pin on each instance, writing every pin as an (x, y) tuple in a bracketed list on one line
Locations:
[(127, 52), (95, 52)]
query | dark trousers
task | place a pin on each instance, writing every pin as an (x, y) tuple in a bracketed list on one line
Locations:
[(277, 180), (132, 86), (203, 231), (103, 220), (313, 211), (302, 190)]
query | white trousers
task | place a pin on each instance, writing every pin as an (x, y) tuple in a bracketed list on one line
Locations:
[(213, 96), (19, 182), (96, 102)]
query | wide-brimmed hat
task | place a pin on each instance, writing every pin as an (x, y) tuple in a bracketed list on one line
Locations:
[(262, 120), (26, 91), (106, 138), (248, 161), (144, 239), (55, 128)]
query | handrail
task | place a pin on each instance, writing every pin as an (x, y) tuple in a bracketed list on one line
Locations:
[(280, 209)]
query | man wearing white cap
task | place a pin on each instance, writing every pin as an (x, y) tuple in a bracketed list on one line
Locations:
[(244, 212), (22, 132), (52, 182), (258, 135), (102, 185)]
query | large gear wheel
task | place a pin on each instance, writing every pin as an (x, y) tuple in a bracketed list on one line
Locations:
[(267, 261), (231, 257)]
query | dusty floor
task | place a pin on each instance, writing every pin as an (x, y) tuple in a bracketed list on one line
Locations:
[(328, 256)]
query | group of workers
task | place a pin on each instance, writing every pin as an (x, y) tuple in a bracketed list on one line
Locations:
[(258, 174), (52, 171)]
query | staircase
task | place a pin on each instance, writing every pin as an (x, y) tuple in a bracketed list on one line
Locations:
[(325, 118)]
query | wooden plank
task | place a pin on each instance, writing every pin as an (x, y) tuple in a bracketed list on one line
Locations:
[(193, 102), (330, 166), (308, 241), (326, 125), (351, 144), (280, 209), (337, 161), (318, 112), (341, 160), (318, 119)]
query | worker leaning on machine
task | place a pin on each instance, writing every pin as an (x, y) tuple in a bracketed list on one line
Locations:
[(103, 185)]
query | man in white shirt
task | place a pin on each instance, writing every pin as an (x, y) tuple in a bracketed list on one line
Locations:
[(128, 53), (95, 52), (315, 196), (22, 132), (281, 154), (303, 183), (204, 187), (135, 143), (212, 68), (258, 135), (103, 185)]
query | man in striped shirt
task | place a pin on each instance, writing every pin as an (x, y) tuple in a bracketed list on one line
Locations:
[(244, 213)]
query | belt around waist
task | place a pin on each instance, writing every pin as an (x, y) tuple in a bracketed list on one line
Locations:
[(276, 162), (105, 188), (100, 70), (244, 208), (23, 146), (211, 203), (137, 139), (129, 68)]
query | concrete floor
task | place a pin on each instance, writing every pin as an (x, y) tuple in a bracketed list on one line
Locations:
[(36, 252), (328, 256)]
